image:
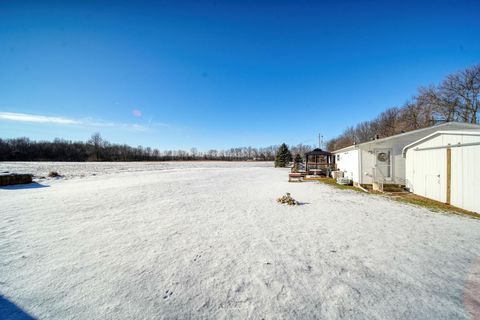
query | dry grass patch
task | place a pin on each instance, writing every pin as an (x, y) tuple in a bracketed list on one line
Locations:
[(408, 198), (432, 205), (333, 183)]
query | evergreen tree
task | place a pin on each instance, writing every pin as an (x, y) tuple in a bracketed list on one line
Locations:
[(283, 156)]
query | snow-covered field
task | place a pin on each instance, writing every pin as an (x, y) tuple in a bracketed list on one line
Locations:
[(208, 240), (84, 169)]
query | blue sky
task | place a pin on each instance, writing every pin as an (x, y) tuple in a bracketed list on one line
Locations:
[(218, 74)]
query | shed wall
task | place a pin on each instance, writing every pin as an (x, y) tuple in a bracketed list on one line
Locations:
[(426, 170)]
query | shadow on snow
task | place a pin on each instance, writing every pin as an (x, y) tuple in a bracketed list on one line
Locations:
[(33, 185), (10, 311)]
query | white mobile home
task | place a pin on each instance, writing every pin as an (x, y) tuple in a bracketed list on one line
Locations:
[(445, 166), (381, 160)]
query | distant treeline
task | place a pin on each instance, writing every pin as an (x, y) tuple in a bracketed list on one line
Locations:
[(98, 149), (456, 98)]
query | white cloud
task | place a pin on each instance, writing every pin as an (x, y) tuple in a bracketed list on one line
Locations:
[(36, 118), (87, 122)]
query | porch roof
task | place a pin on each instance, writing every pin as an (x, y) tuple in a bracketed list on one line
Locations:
[(318, 152)]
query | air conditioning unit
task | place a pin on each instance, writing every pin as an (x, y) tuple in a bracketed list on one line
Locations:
[(337, 174), (344, 181)]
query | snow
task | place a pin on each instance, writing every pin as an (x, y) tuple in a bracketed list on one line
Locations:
[(209, 240), (85, 169)]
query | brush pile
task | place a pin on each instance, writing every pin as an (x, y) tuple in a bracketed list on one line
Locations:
[(54, 174), (287, 199)]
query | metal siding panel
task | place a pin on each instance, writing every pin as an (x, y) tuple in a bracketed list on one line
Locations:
[(428, 171), (409, 165), (422, 167), (368, 163), (458, 163), (470, 177), (349, 164)]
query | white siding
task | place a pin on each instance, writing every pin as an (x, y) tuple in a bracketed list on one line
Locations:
[(465, 191), (367, 164), (396, 146), (348, 163), (398, 162), (426, 170), (365, 160)]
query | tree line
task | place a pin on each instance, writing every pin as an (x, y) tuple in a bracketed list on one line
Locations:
[(456, 98), (99, 149)]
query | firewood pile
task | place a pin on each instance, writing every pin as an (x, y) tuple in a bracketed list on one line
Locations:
[(287, 199)]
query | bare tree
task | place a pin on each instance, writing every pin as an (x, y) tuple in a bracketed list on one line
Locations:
[(457, 98), (194, 153), (462, 90), (410, 117), (363, 131), (96, 141)]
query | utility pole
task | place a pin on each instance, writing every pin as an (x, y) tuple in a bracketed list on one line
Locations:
[(320, 140)]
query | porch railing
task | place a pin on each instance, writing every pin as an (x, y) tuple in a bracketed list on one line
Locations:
[(378, 178)]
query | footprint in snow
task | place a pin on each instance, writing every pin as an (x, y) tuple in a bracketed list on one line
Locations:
[(167, 295), (197, 256)]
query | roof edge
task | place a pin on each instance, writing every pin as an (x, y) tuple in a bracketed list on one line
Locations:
[(472, 125), (436, 133), (352, 147)]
